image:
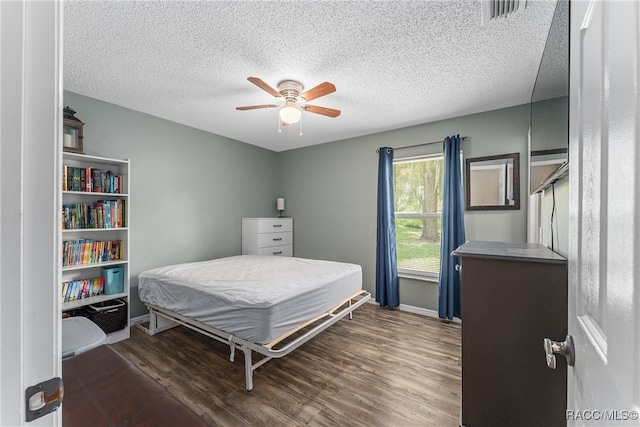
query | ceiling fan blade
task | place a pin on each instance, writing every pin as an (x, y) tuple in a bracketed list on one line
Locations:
[(321, 110), (255, 107), (262, 85), (322, 89)]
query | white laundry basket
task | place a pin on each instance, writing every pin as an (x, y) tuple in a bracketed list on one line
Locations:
[(80, 334)]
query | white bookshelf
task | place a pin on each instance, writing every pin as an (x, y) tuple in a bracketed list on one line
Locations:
[(82, 271)]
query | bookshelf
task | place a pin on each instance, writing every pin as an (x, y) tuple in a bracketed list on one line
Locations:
[(95, 234)]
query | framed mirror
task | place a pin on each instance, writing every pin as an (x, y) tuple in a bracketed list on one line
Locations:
[(493, 182)]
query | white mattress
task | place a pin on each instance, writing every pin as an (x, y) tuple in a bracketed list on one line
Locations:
[(255, 297)]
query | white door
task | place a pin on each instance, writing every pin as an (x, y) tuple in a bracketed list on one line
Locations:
[(30, 122), (604, 213)]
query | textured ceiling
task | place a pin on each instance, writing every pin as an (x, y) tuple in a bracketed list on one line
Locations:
[(394, 63)]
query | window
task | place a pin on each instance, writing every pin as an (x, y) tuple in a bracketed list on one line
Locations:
[(418, 187)]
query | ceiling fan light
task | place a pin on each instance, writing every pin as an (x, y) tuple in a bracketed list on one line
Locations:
[(290, 115)]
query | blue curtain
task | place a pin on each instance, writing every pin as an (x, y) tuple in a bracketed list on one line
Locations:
[(452, 231), (387, 293)]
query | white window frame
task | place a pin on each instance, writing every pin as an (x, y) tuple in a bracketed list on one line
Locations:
[(409, 272)]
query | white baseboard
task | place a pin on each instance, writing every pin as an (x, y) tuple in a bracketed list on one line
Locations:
[(419, 310)]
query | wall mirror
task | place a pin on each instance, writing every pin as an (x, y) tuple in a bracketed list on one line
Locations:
[(493, 182), (549, 124)]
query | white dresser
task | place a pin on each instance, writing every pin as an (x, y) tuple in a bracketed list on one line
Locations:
[(267, 236)]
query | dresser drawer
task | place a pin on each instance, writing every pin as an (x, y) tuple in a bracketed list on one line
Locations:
[(274, 225), (285, 250), (267, 236), (274, 239)]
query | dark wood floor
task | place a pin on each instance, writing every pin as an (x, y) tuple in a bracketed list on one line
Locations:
[(383, 368)]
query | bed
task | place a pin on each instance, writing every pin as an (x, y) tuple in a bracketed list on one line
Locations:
[(267, 304)]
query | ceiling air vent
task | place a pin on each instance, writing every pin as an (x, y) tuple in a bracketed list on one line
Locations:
[(492, 9)]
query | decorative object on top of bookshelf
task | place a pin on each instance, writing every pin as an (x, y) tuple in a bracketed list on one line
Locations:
[(72, 132)]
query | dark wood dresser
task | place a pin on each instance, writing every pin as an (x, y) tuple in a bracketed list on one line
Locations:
[(513, 296)]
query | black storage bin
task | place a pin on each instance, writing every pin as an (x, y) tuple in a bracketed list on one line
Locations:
[(110, 315)]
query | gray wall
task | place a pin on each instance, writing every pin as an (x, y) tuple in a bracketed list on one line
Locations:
[(189, 188), (330, 191)]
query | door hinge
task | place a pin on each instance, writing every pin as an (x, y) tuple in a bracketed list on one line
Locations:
[(44, 398)]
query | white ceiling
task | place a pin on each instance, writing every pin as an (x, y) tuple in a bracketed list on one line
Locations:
[(394, 63)]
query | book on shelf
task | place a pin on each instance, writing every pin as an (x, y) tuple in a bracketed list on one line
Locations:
[(88, 251), (75, 179), (84, 288), (112, 182), (100, 214), (83, 179), (88, 184), (69, 178), (91, 180), (96, 177)]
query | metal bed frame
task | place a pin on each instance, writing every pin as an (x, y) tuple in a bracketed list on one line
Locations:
[(162, 319)]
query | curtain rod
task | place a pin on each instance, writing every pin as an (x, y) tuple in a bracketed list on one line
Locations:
[(462, 138)]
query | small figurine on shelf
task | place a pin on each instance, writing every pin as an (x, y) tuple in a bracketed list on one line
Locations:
[(72, 132)]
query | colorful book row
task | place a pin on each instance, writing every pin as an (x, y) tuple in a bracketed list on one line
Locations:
[(88, 251), (85, 288), (91, 180), (102, 214)]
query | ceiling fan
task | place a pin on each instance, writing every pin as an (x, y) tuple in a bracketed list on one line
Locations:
[(293, 100)]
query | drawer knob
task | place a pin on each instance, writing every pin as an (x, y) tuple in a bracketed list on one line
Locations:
[(277, 225), (278, 253), (277, 239)]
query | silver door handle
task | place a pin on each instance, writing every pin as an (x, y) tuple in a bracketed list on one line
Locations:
[(565, 348)]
